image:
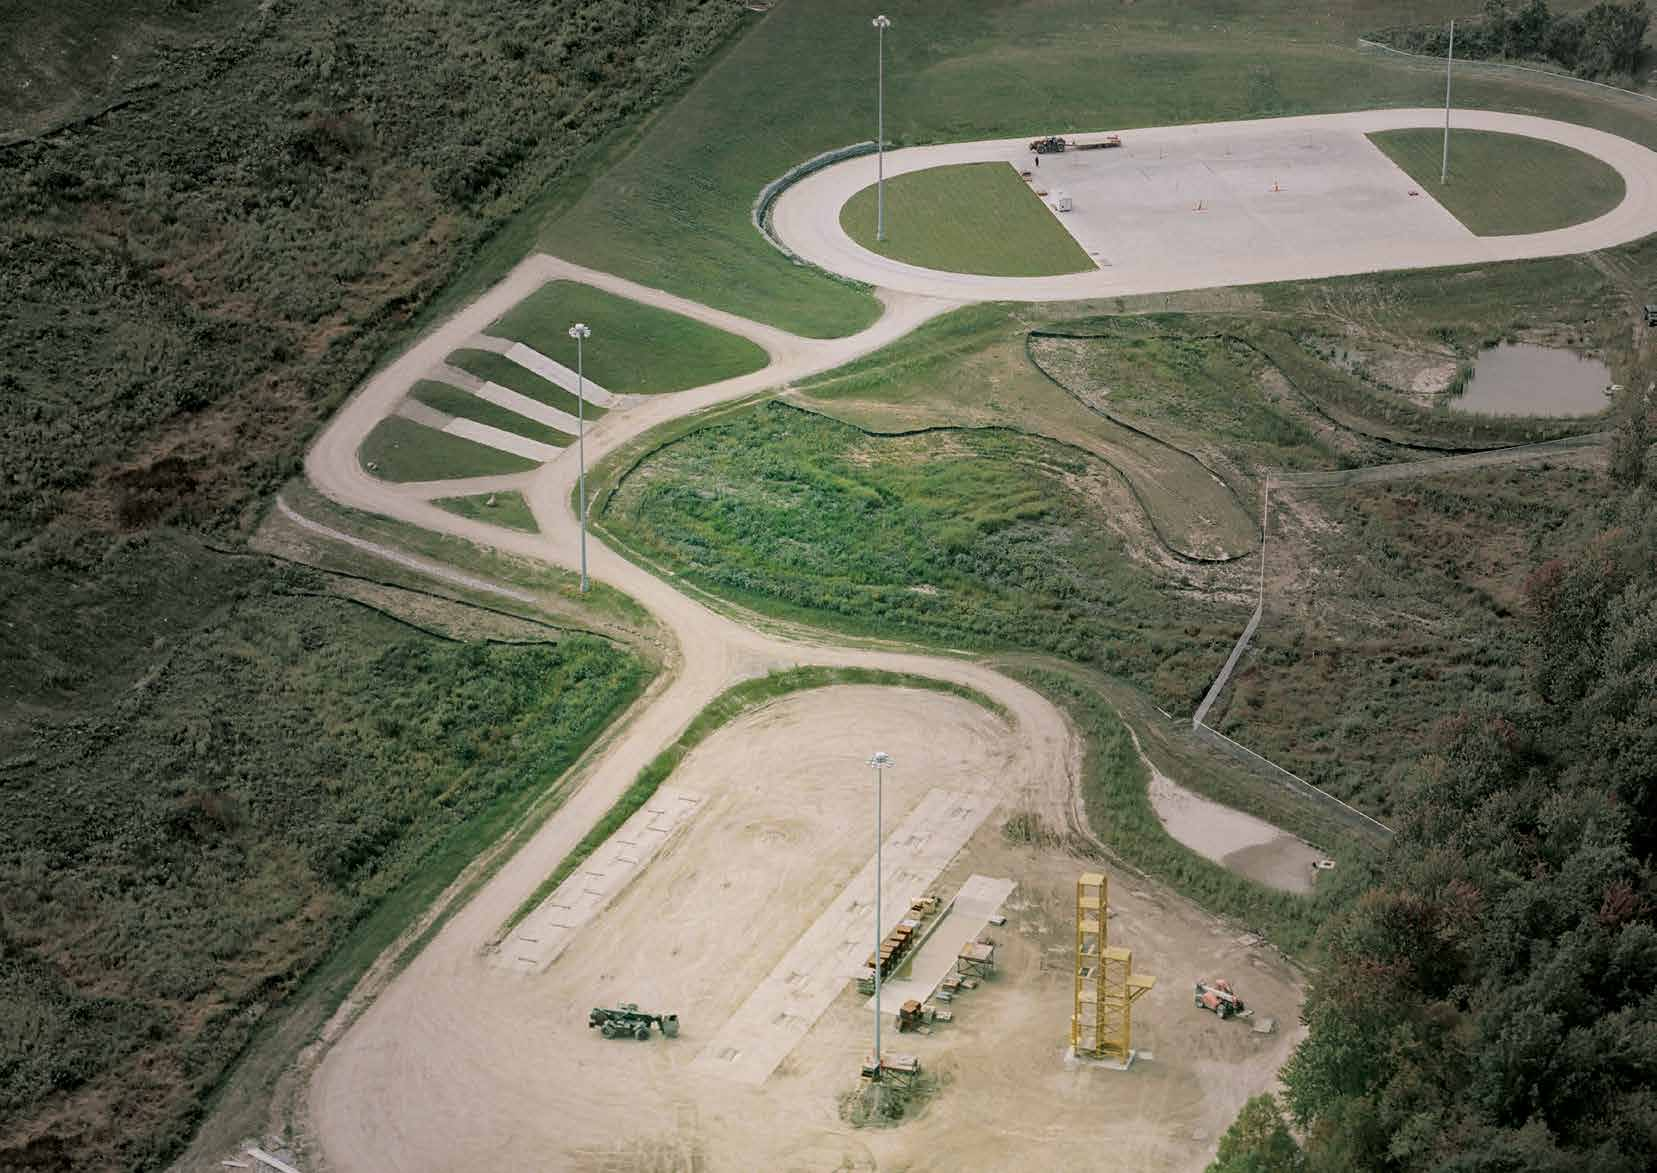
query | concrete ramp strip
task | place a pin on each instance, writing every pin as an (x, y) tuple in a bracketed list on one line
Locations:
[(544, 934), (528, 408), (784, 1007), (501, 439), (556, 372)]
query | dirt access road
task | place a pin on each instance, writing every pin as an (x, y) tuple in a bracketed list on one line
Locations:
[(1281, 199), (454, 1038)]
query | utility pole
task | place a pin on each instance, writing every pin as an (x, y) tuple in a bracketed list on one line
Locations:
[(881, 25), (880, 761), (581, 332), (1449, 61)]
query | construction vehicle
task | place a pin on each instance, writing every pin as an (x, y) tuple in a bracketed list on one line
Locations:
[(1055, 144), (627, 1019), (1218, 996)]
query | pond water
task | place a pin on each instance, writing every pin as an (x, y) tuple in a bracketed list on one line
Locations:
[(1517, 378)]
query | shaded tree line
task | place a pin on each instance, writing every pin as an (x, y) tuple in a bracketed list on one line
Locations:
[(1489, 1004), (1606, 41)]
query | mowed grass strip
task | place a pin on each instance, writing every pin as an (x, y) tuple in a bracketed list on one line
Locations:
[(402, 450), (454, 401), (634, 349), (1505, 184), (507, 509), (497, 368), (969, 218)]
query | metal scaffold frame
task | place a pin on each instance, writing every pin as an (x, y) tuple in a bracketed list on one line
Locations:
[(1101, 1024)]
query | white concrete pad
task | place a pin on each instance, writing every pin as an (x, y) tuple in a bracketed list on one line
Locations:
[(556, 372), (502, 439), (543, 935), (528, 408), (971, 910), (784, 1007), (1261, 192)]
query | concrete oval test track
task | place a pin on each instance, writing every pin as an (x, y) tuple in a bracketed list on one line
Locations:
[(1226, 203), (394, 1091)]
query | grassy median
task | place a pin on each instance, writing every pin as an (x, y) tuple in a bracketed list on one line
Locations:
[(971, 218), (1505, 184)]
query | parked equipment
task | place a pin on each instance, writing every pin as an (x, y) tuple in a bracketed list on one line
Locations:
[(1055, 144), (628, 1019), (1219, 997)]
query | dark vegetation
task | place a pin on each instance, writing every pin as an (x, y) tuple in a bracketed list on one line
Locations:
[(1487, 1006), (1603, 43), (207, 802), (209, 779), (1389, 605), (194, 282)]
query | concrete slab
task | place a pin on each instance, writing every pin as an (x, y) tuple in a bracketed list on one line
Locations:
[(412, 409), (544, 934), (1262, 192), (502, 439), (528, 408), (977, 901), (784, 1007), (556, 372)]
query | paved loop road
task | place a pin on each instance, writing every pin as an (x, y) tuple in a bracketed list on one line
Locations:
[(1341, 206)]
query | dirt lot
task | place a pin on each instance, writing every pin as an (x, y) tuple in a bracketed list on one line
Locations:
[(503, 1072)]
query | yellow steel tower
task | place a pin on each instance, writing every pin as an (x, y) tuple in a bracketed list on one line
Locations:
[(1101, 1025)]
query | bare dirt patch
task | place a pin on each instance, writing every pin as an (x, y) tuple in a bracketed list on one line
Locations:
[(510, 1072)]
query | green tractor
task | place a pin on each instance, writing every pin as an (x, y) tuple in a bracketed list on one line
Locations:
[(628, 1020)]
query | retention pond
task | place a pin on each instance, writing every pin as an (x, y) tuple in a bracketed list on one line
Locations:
[(1519, 378)]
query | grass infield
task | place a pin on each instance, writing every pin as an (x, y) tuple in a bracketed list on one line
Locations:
[(1505, 184), (508, 509), (970, 218), (402, 450), (634, 349)]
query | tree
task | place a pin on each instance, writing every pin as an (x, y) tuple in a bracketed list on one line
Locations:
[(1612, 38), (1258, 1141), (1528, 31)]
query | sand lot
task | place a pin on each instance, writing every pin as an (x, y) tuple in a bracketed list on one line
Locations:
[(509, 1075)]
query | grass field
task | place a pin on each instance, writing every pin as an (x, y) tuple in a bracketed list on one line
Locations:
[(497, 368), (508, 509), (634, 349), (1505, 184), (454, 401), (971, 218), (402, 450), (966, 538), (971, 367), (326, 767)]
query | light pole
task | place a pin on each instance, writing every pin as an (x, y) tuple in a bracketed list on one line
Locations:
[(1449, 60), (881, 25), (580, 332), (880, 762)]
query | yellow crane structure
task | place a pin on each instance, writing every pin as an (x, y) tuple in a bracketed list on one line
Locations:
[(1101, 1025)]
